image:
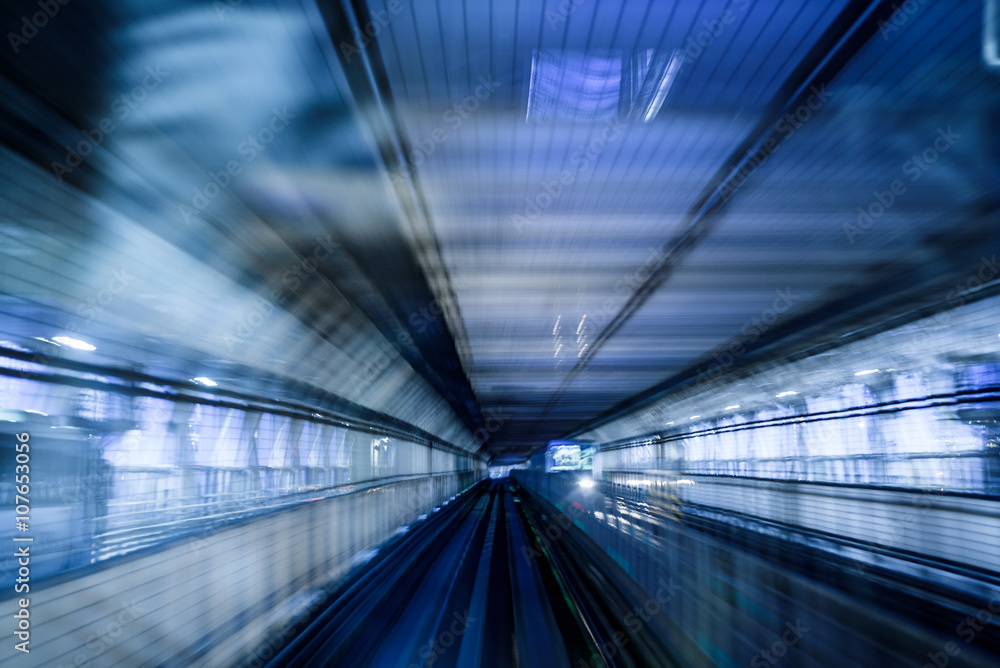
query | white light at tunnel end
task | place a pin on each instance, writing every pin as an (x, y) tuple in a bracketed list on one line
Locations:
[(207, 382), (70, 342)]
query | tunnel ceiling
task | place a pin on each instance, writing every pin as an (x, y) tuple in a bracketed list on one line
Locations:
[(549, 211), (599, 242)]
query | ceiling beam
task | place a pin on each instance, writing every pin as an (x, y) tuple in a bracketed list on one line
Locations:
[(842, 40), (417, 280)]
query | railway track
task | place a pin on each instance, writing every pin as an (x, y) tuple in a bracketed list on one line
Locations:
[(473, 585)]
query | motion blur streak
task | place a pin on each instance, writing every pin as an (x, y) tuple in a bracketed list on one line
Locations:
[(440, 333)]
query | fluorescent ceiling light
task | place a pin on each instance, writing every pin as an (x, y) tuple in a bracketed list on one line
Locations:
[(729, 408), (991, 28), (590, 87), (205, 381), (70, 342), (866, 372), (666, 81), (574, 86), (786, 394)]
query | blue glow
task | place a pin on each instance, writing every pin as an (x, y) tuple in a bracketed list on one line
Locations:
[(574, 86)]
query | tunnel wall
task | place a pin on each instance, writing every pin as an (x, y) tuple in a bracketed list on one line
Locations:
[(916, 406), (723, 597), (114, 470), (853, 486), (205, 599)]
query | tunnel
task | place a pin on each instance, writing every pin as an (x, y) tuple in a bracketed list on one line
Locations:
[(500, 333)]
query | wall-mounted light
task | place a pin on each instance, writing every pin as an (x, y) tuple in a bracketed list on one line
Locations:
[(70, 342)]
